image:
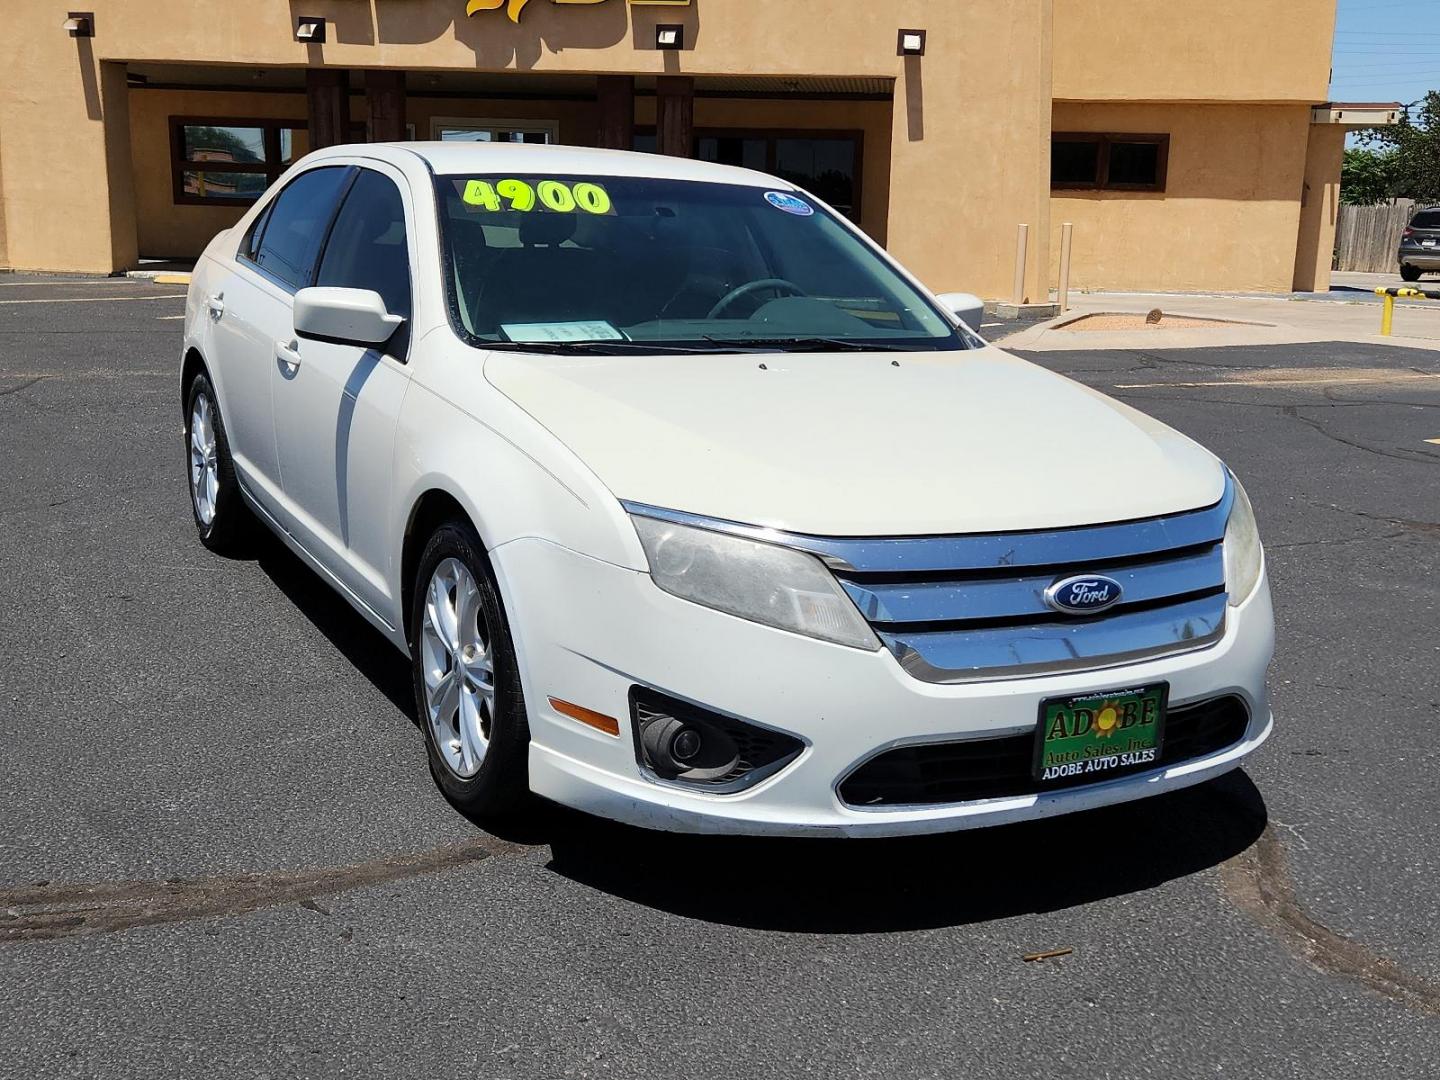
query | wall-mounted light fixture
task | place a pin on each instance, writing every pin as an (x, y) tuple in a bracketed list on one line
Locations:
[(309, 29), (79, 23), (912, 43), (669, 37)]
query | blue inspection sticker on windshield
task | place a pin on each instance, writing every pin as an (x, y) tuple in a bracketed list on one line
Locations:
[(791, 204)]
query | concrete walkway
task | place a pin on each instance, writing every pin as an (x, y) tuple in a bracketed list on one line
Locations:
[(1251, 320)]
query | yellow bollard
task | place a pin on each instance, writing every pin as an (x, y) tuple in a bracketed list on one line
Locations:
[(1387, 317)]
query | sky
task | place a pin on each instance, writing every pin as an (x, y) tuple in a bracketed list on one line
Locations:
[(1386, 50)]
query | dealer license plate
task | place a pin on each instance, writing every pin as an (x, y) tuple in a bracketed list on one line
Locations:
[(1099, 736)]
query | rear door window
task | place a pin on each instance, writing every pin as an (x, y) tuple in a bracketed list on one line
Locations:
[(1426, 219), (296, 225)]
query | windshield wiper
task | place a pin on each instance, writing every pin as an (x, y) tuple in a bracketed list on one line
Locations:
[(806, 344), (589, 348)]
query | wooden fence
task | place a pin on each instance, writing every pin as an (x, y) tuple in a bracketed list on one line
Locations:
[(1366, 237)]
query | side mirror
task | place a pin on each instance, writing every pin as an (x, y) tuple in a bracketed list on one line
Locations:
[(350, 316), (966, 308)]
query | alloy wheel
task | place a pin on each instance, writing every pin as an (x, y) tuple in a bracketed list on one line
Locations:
[(204, 462), (458, 668)]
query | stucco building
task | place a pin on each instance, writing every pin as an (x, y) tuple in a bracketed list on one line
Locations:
[(1189, 144)]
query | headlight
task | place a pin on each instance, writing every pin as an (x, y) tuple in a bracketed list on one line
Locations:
[(1243, 555), (764, 583)]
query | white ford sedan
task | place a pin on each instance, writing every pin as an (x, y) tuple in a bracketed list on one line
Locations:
[(692, 508)]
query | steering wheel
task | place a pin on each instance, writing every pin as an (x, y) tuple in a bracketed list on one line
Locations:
[(780, 285)]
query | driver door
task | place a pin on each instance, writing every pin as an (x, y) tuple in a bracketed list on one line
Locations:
[(337, 405)]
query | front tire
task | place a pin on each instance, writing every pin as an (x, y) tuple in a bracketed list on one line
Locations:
[(1410, 273), (467, 685), (221, 516)]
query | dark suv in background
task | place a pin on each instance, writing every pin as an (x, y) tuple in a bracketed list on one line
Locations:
[(1420, 244)]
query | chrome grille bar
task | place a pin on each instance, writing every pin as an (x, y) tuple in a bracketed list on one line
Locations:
[(1012, 652), (982, 551), (952, 599)]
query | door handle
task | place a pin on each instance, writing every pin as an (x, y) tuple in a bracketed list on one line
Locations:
[(289, 355), (216, 303)]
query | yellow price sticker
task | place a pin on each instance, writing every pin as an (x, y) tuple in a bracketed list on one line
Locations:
[(552, 196)]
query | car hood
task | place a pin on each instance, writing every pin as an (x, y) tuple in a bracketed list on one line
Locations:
[(861, 444)]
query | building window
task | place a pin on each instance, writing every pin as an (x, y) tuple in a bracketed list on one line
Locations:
[(219, 161), (1086, 161), (825, 163), (462, 129)]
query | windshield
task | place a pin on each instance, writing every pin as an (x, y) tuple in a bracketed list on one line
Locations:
[(608, 264)]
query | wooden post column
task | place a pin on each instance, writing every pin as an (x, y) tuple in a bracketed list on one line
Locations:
[(616, 95), (327, 92), (385, 91), (675, 115)]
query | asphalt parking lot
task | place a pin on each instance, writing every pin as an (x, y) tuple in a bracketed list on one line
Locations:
[(222, 854)]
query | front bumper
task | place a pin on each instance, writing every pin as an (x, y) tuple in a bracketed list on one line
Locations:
[(586, 631)]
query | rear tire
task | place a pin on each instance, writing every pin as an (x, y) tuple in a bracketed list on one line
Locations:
[(1410, 273), (221, 517), (466, 680)]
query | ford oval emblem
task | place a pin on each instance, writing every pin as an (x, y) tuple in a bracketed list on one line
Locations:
[(1083, 594)]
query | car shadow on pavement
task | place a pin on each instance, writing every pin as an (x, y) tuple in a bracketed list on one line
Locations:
[(365, 647), (838, 885), (878, 885)]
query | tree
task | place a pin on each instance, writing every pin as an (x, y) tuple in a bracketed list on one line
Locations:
[(1414, 146), (1367, 177)]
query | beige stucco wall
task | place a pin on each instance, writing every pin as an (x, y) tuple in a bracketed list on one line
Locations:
[(969, 140), (1215, 50), (1320, 207), (1229, 216)]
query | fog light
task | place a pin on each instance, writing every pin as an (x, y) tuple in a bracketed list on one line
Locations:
[(678, 742), (686, 745), (682, 748)]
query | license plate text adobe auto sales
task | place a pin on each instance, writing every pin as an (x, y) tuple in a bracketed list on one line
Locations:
[(1084, 738)]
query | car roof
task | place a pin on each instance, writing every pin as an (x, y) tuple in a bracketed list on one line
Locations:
[(529, 159)]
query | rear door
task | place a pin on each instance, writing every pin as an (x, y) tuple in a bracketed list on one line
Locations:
[(337, 405), (252, 311)]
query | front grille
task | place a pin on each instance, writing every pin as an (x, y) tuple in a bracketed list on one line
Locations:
[(955, 772), (965, 608)]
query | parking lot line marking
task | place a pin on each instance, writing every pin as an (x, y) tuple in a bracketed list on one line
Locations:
[(93, 299), (169, 316), (68, 284), (1434, 442), (1345, 380)]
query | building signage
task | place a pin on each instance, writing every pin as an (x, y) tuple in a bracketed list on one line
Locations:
[(514, 8)]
